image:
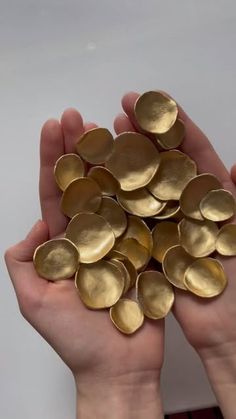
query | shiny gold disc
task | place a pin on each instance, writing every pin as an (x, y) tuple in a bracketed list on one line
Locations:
[(95, 145), (100, 284), (56, 259), (108, 184), (174, 172), (172, 138), (171, 210), (92, 235), (138, 229), (141, 203), (193, 193), (81, 195), (135, 252), (198, 238), (125, 274), (165, 235), (155, 112), (226, 240), (127, 316), (155, 294), (114, 214), (218, 205), (175, 263), (115, 254), (134, 160), (68, 168), (205, 277)]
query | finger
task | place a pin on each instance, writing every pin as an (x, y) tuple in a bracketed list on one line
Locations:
[(72, 127), (89, 125), (123, 124), (233, 173), (51, 148)]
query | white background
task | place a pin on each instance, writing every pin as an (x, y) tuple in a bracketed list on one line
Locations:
[(55, 54)]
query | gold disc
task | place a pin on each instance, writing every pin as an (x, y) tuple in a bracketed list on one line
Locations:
[(92, 235), (68, 168), (56, 259), (127, 316), (115, 254), (193, 193), (172, 138), (138, 229), (114, 214), (108, 184), (155, 112), (82, 195), (135, 252), (175, 263), (218, 205), (165, 235), (174, 172), (100, 284), (155, 294), (124, 271), (141, 203), (134, 160), (226, 240), (95, 145), (205, 278), (171, 210), (198, 238)]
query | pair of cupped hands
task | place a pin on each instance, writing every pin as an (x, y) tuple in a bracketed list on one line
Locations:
[(103, 361)]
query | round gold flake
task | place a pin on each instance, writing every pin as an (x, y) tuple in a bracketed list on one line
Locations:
[(95, 146), (175, 263), (115, 254), (127, 316), (138, 229), (56, 259), (165, 235), (114, 214), (218, 205), (172, 138), (226, 240), (198, 238), (108, 184), (134, 251), (155, 112), (68, 168), (171, 210), (125, 273), (141, 203)]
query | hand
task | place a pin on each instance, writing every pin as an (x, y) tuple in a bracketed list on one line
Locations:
[(209, 325), (116, 376)]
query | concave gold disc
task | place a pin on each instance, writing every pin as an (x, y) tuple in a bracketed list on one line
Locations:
[(100, 284), (114, 214), (226, 240), (92, 235), (174, 172), (175, 263), (141, 202), (81, 195), (135, 252), (172, 138), (138, 229), (198, 238), (218, 205), (155, 294), (165, 235), (155, 112), (127, 316), (171, 210), (56, 259), (193, 193), (95, 145), (124, 271), (68, 168), (108, 184), (134, 160), (115, 254), (205, 277)]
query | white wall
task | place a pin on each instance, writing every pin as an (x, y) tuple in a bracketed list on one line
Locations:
[(86, 54)]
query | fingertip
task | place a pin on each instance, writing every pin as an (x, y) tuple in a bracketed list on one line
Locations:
[(122, 124), (89, 125), (128, 101), (50, 126), (71, 120)]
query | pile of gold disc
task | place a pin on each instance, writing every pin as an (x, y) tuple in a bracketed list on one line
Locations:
[(141, 220)]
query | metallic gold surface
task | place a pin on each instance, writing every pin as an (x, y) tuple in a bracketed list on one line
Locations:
[(155, 112), (127, 316), (165, 235), (218, 205), (174, 172), (198, 238), (56, 259), (124, 271), (92, 235), (95, 145), (141, 203), (100, 284), (114, 214), (108, 184), (155, 294), (175, 263), (134, 160), (80, 196), (171, 210), (172, 138), (205, 277), (115, 254), (138, 229), (135, 252), (68, 168), (226, 240), (193, 193)]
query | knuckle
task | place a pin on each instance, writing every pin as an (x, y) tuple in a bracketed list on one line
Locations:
[(29, 302)]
